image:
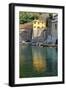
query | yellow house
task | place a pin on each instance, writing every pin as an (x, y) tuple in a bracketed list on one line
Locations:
[(39, 25)]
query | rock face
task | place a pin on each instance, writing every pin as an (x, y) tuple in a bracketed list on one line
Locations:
[(52, 29), (26, 35), (25, 32), (39, 33)]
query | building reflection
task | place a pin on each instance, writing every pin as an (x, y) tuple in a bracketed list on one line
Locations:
[(39, 61)]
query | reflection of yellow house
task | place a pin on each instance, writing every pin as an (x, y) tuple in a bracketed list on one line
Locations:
[(39, 63)]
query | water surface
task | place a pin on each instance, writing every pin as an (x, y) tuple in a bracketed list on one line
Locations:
[(38, 61)]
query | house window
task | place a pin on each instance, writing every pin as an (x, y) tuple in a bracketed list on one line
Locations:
[(38, 27), (34, 26)]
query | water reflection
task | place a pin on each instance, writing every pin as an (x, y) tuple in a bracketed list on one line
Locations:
[(37, 61)]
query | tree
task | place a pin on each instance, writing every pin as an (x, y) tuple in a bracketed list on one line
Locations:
[(25, 17)]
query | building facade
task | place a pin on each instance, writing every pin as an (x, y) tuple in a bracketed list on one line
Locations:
[(38, 28)]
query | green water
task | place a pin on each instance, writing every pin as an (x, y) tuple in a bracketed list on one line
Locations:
[(38, 61)]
